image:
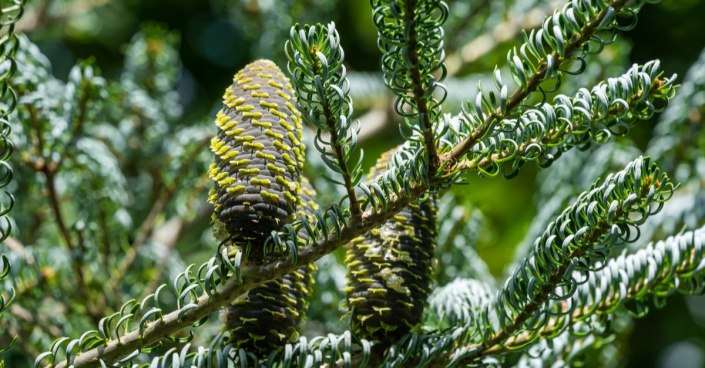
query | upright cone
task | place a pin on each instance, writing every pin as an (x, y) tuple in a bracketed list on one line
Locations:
[(258, 189), (389, 271), (259, 154), (271, 315)]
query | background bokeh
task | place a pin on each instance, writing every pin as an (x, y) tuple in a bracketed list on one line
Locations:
[(218, 37)]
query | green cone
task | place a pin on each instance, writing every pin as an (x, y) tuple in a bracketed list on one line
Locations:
[(389, 271)]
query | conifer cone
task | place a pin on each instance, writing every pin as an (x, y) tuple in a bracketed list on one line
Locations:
[(271, 315), (259, 155), (389, 271)]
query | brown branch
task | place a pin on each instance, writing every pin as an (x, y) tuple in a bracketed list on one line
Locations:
[(252, 275), (418, 90), (355, 206), (580, 38), (56, 208), (78, 127), (76, 262), (49, 170), (558, 134), (147, 226), (36, 125)]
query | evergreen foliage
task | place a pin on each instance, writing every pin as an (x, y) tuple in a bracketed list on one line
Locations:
[(108, 176)]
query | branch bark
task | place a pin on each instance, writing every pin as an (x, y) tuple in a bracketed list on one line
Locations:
[(418, 88), (252, 275)]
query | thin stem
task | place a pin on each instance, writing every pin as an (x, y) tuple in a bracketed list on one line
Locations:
[(78, 127), (418, 89), (56, 208), (355, 206), (34, 120), (48, 171), (76, 251), (147, 226)]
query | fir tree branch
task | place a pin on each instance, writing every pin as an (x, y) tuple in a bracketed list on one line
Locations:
[(113, 349), (657, 271), (252, 275), (323, 96), (109, 350), (591, 116), (403, 187), (411, 38), (575, 242), (547, 67)]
